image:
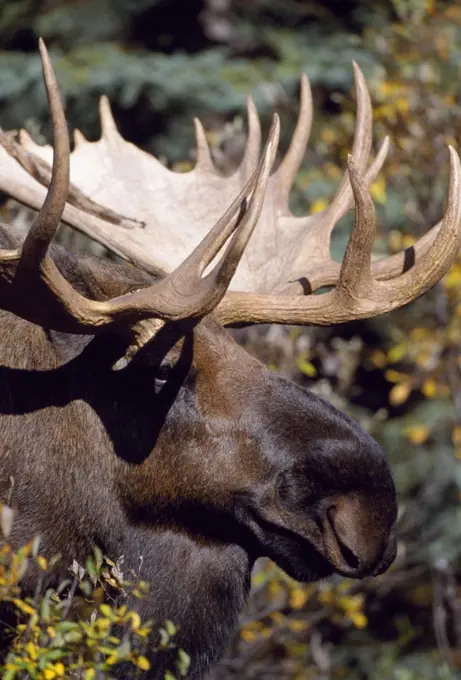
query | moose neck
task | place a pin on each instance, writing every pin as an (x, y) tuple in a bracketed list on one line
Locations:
[(93, 429)]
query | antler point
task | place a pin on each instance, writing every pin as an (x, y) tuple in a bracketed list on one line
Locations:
[(79, 138), (24, 137), (204, 159), (358, 76), (108, 124), (275, 128), (250, 103)]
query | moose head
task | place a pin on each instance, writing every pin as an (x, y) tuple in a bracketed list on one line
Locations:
[(121, 388)]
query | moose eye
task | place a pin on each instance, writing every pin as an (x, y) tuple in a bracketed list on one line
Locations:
[(162, 374)]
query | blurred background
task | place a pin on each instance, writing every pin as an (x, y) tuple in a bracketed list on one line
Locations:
[(161, 62)]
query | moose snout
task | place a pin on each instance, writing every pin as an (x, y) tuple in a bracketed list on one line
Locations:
[(357, 538)]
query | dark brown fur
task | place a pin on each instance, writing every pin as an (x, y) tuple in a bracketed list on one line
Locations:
[(223, 463)]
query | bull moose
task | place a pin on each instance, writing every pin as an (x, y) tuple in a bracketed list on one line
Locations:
[(129, 417)]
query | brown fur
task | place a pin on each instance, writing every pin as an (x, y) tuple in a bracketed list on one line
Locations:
[(223, 463)]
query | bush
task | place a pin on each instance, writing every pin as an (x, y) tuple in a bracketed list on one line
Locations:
[(80, 628)]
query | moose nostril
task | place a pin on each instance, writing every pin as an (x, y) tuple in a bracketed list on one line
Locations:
[(348, 555)]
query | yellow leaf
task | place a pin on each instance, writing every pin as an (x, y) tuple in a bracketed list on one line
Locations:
[(378, 190), (31, 650), (378, 358), (307, 367), (278, 618), (298, 626), (298, 598), (395, 376), (49, 674), (453, 278), (332, 170), (429, 388), (395, 240), (59, 668), (135, 620), (417, 434), (456, 435), (400, 393), (42, 563), (318, 205), (328, 135), (419, 334), (351, 603), (408, 240), (103, 625), (106, 610), (248, 635), (143, 663), (401, 104), (397, 352), (90, 674), (24, 607), (326, 596), (358, 619)]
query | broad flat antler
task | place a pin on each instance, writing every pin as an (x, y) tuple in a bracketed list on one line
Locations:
[(128, 201), (185, 293)]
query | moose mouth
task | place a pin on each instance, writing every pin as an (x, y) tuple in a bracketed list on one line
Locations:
[(295, 554), (305, 562)]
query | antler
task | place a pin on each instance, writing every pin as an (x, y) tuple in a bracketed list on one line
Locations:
[(168, 215), (358, 294), (32, 287)]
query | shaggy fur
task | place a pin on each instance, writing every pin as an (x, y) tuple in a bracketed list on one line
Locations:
[(194, 457)]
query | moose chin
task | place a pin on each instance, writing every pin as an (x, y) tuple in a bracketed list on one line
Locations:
[(130, 419)]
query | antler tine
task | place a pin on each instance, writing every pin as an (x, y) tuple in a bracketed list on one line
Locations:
[(79, 139), (109, 130), (360, 151), (41, 233), (184, 293), (224, 271), (288, 168), (204, 161), (366, 296), (253, 146), (361, 147), (328, 274), (210, 246), (355, 273)]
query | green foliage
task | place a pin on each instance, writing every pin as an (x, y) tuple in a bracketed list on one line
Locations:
[(82, 628)]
